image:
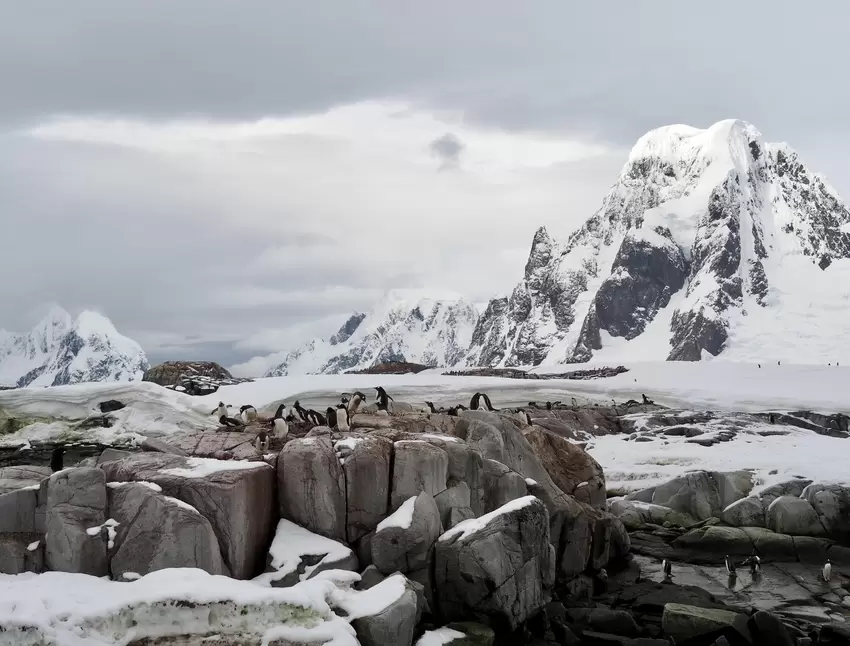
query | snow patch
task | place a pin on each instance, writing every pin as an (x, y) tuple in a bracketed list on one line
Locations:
[(467, 528), (401, 517), (150, 485), (439, 637), (204, 467)]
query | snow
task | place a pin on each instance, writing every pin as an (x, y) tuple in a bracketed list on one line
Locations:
[(530, 482), (374, 600), (347, 443), (131, 576), (439, 637), (150, 485), (181, 504), (76, 609), (401, 517), (110, 524), (204, 467), (33, 546), (292, 542), (434, 436), (467, 528)]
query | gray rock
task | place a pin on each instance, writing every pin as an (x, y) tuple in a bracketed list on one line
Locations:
[(158, 446), (18, 512), (770, 545), (239, 503), (501, 485), (408, 549), (789, 488), (369, 578), (703, 494), (501, 571), (456, 496), (76, 501), (716, 541), (458, 515), (396, 624), (788, 515), (616, 622), (474, 634), (683, 622), (20, 477), (634, 514), (311, 487), (466, 465), (418, 466), (769, 629), (832, 505), (155, 532), (367, 479), (111, 455), (747, 512), (21, 553)]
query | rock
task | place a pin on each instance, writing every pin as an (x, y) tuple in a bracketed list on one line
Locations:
[(811, 550), (787, 515), (790, 488), (455, 497), (158, 446), (832, 505), (458, 515), (395, 624), (474, 634), (20, 477), (767, 629), (501, 485), (499, 566), (311, 487), (713, 542), (369, 578), (156, 532), (404, 541), (21, 553), (617, 622), (746, 512), (683, 622), (18, 512), (367, 480), (111, 455), (770, 545), (703, 494), (76, 502), (297, 554), (418, 466), (237, 499), (572, 469), (467, 466), (635, 514)]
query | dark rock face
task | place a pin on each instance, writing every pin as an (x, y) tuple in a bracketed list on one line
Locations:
[(489, 335), (348, 328)]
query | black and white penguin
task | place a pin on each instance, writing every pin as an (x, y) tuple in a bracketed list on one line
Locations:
[(220, 410), (533, 405), (356, 399), (383, 399), (279, 424), (573, 402), (827, 571), (248, 414), (771, 418), (646, 400), (755, 564), (330, 413), (473, 403), (431, 408), (262, 442), (302, 412), (343, 424), (57, 459), (316, 418), (548, 405), (667, 567), (223, 417), (730, 567), (487, 402)]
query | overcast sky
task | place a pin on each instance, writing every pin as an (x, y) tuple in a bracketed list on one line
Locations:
[(226, 179)]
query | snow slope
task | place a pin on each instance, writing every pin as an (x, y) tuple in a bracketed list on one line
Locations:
[(711, 242), (61, 350), (426, 331)]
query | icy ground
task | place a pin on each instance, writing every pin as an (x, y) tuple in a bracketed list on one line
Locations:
[(712, 385)]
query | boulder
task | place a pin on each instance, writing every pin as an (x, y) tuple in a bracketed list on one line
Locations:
[(711, 543), (311, 487), (155, 532), (770, 545), (789, 488), (465, 465), (498, 567), (635, 514), (238, 498), (832, 505), (20, 477), (501, 485), (404, 541), (746, 512), (76, 503), (297, 554), (767, 628), (456, 496), (617, 622), (366, 468), (683, 622), (572, 469), (418, 466), (21, 553), (703, 494), (789, 515), (394, 609), (369, 578)]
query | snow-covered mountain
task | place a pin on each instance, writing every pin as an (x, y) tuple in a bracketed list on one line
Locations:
[(61, 350), (710, 241), (430, 332)]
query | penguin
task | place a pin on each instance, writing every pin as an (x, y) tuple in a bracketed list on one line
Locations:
[(316, 418), (56, 459), (730, 567), (771, 418), (527, 417), (473, 403), (778, 363), (356, 399), (487, 402), (667, 567), (279, 423), (755, 564), (548, 405), (573, 402), (827, 571), (533, 405), (759, 365), (224, 420), (302, 412), (383, 399), (431, 408), (646, 400), (248, 413), (343, 424), (220, 411), (331, 415), (262, 442)]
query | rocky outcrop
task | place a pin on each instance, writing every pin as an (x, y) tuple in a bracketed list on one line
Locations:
[(394, 622), (699, 494)]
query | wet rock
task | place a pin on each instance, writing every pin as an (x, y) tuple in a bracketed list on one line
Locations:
[(499, 567), (155, 532), (76, 501), (311, 487), (474, 634), (683, 622), (787, 515), (770, 545), (769, 630), (712, 543), (418, 466), (369, 578)]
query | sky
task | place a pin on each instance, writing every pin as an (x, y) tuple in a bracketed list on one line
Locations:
[(225, 179)]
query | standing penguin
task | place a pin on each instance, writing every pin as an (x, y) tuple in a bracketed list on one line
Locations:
[(667, 566), (262, 442), (302, 412), (755, 564), (248, 413), (223, 418), (331, 417), (827, 571), (343, 424), (279, 423), (383, 399), (730, 567), (473, 403), (56, 459), (316, 418), (356, 399)]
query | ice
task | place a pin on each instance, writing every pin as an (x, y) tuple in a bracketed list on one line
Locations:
[(203, 467), (292, 542), (402, 517), (439, 637), (467, 528)]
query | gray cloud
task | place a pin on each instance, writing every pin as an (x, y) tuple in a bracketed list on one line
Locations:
[(213, 252)]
